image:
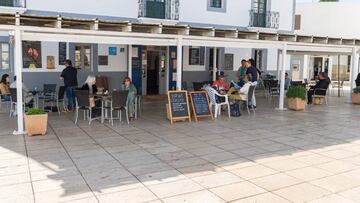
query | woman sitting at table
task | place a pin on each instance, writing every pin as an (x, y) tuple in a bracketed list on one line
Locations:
[(242, 93), (129, 86), (5, 88), (90, 84), (91, 87)]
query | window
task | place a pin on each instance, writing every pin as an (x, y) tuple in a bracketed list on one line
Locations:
[(83, 56), (297, 22), (259, 8), (155, 9), (217, 5), (4, 58), (196, 55)]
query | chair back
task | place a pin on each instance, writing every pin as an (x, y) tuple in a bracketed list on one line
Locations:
[(82, 98), (250, 93), (61, 93), (211, 92), (49, 88), (119, 98), (13, 95), (198, 86), (273, 84)]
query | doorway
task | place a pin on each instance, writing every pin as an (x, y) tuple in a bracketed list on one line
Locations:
[(152, 80)]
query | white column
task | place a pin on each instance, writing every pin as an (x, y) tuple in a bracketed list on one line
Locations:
[(179, 64), (282, 78), (353, 70), (18, 72), (214, 64), (130, 61)]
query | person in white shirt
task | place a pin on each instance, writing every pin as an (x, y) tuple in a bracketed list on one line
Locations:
[(242, 93), (26, 93)]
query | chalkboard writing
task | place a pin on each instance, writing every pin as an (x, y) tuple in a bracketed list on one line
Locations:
[(200, 104), (62, 53), (178, 105)]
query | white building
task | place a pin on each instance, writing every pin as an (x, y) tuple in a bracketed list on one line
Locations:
[(331, 20), (151, 72)]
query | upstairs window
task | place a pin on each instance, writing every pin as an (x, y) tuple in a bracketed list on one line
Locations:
[(217, 5)]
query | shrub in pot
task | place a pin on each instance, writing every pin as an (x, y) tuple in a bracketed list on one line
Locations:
[(36, 121), (356, 95), (296, 98)]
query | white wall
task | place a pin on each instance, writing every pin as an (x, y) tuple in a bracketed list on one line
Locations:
[(117, 8), (187, 67), (286, 9), (237, 13), (329, 19), (239, 54), (116, 63)]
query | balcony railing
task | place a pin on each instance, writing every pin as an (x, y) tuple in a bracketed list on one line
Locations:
[(13, 3), (266, 20), (167, 9)]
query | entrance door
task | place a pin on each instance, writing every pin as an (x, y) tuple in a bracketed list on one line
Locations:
[(153, 64), (317, 68), (259, 7), (155, 9)]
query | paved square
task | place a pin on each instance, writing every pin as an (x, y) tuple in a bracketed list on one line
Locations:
[(272, 156)]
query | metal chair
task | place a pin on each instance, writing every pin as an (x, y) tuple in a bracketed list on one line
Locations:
[(338, 86), (48, 94), (60, 98), (249, 99), (273, 89), (212, 95), (197, 86), (83, 103), (118, 103), (13, 102), (321, 93), (4, 101)]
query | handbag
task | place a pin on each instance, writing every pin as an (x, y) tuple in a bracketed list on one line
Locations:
[(92, 102), (235, 110)]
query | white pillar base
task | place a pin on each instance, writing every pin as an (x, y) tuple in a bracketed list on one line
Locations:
[(19, 132), (281, 109)]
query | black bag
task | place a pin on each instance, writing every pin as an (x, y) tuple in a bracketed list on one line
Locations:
[(235, 110)]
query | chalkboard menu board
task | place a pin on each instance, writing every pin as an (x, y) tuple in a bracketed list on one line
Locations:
[(200, 104), (62, 53), (178, 106)]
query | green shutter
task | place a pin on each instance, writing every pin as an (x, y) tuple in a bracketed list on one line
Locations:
[(7, 3)]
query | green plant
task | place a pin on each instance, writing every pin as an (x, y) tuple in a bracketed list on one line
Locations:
[(35, 111), (356, 90), (296, 92)]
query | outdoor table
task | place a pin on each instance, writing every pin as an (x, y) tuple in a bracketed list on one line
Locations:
[(104, 99)]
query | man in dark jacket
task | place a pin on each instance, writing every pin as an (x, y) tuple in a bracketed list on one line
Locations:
[(69, 76), (358, 80), (320, 87)]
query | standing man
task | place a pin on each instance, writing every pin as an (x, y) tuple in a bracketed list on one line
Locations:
[(253, 73), (242, 72), (69, 76)]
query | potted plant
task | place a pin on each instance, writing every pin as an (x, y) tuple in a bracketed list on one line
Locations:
[(356, 95), (36, 121), (296, 98)]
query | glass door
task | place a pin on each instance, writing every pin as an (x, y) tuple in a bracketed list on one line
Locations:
[(259, 7), (83, 56)]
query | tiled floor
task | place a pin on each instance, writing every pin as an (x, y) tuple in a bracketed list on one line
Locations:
[(273, 156)]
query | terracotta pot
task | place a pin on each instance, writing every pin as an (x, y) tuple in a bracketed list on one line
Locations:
[(355, 98), (36, 124), (296, 104)]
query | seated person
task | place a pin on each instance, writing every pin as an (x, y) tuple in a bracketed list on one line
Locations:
[(29, 98), (242, 93), (358, 80), (91, 87), (287, 81), (129, 86), (323, 83), (221, 85), (4, 88)]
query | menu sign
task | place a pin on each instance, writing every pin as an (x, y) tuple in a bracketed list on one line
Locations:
[(200, 104), (178, 105)]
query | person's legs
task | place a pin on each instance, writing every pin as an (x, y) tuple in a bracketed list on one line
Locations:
[(309, 96), (253, 101), (73, 97), (68, 93)]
